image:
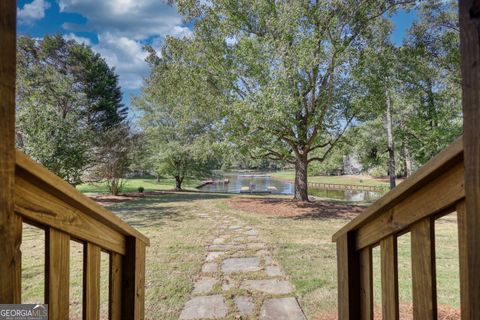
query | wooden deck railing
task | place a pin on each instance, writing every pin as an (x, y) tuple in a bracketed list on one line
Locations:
[(48, 202), (433, 191)]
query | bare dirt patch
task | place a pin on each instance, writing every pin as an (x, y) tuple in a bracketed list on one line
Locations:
[(295, 209), (108, 199)]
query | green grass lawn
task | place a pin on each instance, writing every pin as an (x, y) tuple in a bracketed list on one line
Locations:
[(178, 248), (132, 185), (290, 175)]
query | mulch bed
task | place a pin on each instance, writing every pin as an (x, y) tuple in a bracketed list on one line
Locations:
[(295, 209), (406, 313)]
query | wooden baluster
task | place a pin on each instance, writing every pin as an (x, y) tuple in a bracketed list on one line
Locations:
[(423, 270), (115, 290), (348, 278), (389, 266), (91, 278), (10, 222), (366, 284), (57, 275), (133, 278)]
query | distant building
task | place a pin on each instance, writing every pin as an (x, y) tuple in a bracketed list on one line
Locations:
[(351, 165)]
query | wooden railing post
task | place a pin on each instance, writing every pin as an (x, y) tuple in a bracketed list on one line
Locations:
[(348, 266), (10, 223), (133, 276), (57, 284), (423, 270), (91, 277), (470, 57), (389, 267)]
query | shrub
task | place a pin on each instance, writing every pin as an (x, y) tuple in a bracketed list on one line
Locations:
[(141, 189)]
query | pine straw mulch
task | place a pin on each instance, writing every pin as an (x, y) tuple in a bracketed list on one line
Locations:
[(289, 208), (109, 199)]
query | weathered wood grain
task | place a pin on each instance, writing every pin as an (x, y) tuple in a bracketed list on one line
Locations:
[(133, 278), (348, 278), (91, 286), (389, 269), (423, 270), (366, 284), (115, 287), (438, 195), (38, 205), (10, 223), (57, 274), (470, 228)]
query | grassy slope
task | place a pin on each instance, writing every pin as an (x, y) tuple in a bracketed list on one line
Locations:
[(131, 185), (290, 175), (178, 247)]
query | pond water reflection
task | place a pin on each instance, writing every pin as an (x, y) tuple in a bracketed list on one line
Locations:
[(263, 182)]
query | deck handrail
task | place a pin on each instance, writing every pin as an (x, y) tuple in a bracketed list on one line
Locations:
[(435, 190), (30, 169), (44, 200), (441, 162)]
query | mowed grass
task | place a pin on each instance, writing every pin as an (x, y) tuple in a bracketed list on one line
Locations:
[(178, 248), (132, 185), (367, 181)]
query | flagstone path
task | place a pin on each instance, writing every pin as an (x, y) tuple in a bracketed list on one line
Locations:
[(240, 279)]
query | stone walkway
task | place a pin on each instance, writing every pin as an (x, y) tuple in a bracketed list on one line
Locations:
[(240, 279)]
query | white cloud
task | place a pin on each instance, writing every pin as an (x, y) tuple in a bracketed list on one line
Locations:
[(33, 11), (129, 18), (126, 55), (72, 36), (123, 26)]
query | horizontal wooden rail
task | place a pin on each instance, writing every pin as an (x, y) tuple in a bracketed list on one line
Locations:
[(436, 189), (48, 202)]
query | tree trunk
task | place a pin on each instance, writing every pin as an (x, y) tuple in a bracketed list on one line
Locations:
[(301, 182), (178, 183), (390, 145), (407, 161)]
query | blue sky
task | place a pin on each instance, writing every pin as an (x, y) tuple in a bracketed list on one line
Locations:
[(118, 29)]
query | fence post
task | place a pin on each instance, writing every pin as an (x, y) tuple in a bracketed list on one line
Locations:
[(470, 228), (10, 223)]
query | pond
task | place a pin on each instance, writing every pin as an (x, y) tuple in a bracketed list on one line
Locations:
[(262, 182)]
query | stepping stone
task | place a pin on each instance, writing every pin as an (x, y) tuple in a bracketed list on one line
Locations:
[(204, 285), (218, 241), (248, 264), (251, 233), (204, 307), (238, 239), (268, 260), (282, 309), (273, 271), (209, 267), (214, 255), (219, 247), (253, 238), (258, 245), (244, 305), (235, 227), (268, 286)]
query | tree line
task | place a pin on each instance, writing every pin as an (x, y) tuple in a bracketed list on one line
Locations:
[(296, 83)]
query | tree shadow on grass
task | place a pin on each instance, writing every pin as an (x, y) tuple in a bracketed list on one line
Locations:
[(151, 211)]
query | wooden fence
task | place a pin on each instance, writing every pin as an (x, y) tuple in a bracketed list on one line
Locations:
[(433, 191), (358, 187)]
